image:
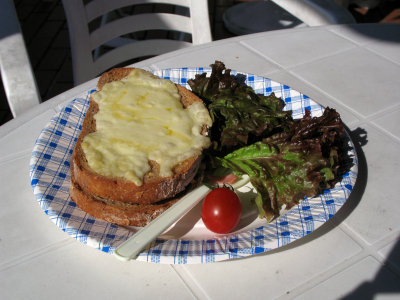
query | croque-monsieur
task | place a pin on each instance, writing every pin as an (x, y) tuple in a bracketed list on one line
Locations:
[(140, 146)]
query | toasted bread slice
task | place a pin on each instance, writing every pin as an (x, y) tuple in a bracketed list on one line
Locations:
[(119, 213), (118, 200)]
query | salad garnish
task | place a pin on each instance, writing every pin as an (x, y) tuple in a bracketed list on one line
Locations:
[(285, 159)]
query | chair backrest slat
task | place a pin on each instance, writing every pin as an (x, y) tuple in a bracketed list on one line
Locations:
[(98, 8), (96, 49), (141, 22), (144, 48)]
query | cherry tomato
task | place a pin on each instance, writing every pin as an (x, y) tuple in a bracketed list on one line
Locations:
[(221, 210)]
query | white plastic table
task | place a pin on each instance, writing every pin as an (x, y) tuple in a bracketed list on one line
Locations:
[(356, 255)]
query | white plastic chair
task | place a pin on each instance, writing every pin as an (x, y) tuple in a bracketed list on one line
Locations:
[(116, 24), (317, 12), (15, 68), (257, 16)]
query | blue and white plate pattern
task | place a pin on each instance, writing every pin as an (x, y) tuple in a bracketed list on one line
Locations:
[(188, 241)]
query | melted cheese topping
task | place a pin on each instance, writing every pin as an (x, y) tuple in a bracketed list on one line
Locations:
[(141, 118)]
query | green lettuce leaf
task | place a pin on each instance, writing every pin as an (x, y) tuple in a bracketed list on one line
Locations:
[(240, 116), (289, 166)]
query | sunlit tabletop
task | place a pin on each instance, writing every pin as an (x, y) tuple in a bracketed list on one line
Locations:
[(356, 254)]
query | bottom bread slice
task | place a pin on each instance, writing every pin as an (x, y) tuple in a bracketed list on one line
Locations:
[(116, 212)]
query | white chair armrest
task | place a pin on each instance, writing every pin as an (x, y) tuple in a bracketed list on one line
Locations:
[(16, 71), (316, 12)]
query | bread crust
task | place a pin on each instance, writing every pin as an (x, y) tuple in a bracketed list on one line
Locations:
[(87, 187), (118, 213)]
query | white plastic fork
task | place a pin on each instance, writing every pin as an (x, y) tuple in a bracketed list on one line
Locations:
[(135, 244)]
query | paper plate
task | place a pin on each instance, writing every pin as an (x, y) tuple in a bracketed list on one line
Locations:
[(187, 241)]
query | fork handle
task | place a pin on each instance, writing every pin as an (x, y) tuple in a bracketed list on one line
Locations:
[(135, 244)]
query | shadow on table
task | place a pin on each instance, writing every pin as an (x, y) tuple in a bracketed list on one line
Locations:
[(383, 32), (384, 283)]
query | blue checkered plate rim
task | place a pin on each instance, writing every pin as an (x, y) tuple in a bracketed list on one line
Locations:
[(187, 241)]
